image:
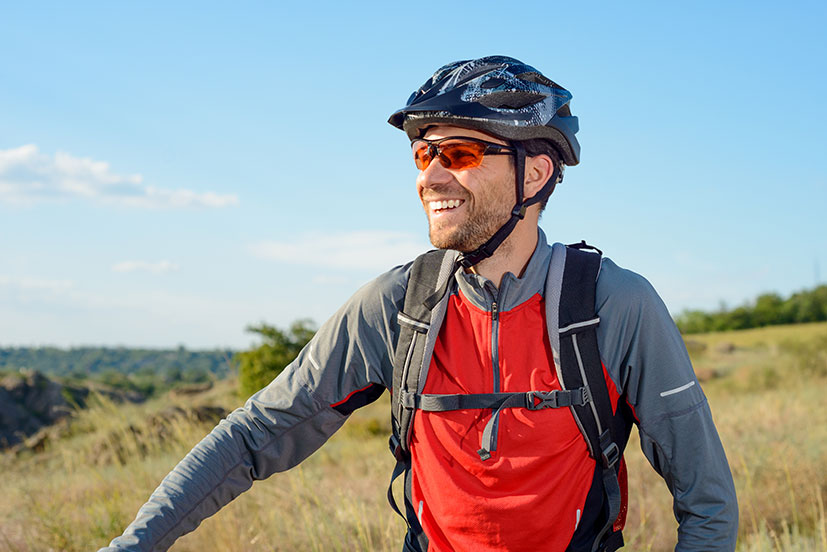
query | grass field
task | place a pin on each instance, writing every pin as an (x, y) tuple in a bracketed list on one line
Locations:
[(766, 388)]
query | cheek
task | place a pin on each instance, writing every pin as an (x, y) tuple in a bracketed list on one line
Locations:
[(419, 186)]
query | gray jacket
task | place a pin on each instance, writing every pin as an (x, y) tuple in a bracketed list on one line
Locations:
[(285, 422)]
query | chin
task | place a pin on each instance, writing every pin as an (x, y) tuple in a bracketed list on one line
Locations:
[(450, 242), (442, 243)]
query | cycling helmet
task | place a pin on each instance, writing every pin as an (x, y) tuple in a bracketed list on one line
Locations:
[(495, 94), (504, 97)]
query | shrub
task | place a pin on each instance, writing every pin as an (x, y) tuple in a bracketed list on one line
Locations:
[(258, 367)]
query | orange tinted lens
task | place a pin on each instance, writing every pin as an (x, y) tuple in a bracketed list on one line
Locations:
[(422, 156), (461, 155)]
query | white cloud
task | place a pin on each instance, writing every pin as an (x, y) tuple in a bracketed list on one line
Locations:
[(27, 176), (159, 267), (35, 284), (362, 250)]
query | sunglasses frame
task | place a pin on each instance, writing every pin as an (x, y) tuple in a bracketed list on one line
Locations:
[(435, 152)]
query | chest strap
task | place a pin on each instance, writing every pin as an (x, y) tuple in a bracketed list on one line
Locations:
[(531, 400)]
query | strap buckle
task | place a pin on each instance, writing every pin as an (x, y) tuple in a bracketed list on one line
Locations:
[(548, 399), (556, 398)]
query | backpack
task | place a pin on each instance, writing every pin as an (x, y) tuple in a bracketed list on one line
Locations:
[(579, 371)]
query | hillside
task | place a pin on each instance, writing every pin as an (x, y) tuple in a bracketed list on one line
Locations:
[(32, 405), (146, 371), (765, 388)]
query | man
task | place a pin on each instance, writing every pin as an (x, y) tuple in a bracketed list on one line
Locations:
[(490, 137)]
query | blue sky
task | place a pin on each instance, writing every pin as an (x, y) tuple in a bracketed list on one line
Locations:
[(171, 174)]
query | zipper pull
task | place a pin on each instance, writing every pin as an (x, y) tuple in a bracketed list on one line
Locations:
[(494, 314)]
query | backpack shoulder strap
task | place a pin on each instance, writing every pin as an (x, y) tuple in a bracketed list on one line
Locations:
[(579, 355), (580, 365), (427, 282)]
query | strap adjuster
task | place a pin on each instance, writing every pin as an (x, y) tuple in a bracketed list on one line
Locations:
[(610, 452), (407, 399), (611, 455)]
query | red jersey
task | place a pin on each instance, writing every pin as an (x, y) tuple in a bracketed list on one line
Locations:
[(530, 494)]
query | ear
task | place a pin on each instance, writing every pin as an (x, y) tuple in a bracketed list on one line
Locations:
[(538, 170)]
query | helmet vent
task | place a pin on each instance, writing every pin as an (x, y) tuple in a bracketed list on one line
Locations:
[(535, 77), (510, 99), (492, 83)]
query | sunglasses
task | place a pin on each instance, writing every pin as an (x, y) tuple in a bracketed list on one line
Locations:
[(455, 152)]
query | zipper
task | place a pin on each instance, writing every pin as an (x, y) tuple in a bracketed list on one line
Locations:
[(495, 353), (495, 365)]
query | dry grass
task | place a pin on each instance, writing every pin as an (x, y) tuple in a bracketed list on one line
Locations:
[(766, 336), (767, 405)]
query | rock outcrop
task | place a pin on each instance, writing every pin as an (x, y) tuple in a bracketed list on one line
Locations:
[(31, 402)]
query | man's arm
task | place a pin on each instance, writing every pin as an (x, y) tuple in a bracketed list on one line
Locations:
[(346, 365), (644, 350)]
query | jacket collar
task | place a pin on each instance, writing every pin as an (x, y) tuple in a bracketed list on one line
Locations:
[(514, 291)]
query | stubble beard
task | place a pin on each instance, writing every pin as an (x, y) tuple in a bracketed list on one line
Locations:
[(480, 225)]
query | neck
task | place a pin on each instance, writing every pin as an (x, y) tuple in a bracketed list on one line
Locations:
[(512, 255)]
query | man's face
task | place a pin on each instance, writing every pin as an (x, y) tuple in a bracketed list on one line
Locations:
[(481, 197)]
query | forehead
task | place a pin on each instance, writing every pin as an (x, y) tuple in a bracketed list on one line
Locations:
[(435, 132)]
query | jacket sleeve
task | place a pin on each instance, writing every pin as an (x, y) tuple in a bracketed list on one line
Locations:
[(645, 354), (346, 365)]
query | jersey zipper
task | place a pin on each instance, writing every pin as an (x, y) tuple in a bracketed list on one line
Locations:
[(495, 353), (495, 365)]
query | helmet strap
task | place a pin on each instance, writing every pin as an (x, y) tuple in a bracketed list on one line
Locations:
[(467, 260)]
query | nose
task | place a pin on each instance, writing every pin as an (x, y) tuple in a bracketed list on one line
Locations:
[(434, 175)]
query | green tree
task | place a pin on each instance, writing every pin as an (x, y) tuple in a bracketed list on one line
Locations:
[(258, 367), (694, 321), (768, 310), (739, 318)]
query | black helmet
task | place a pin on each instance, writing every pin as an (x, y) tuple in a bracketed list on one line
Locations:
[(495, 94)]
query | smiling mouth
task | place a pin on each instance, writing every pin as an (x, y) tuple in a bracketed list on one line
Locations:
[(445, 205)]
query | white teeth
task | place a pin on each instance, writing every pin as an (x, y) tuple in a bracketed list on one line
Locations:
[(446, 204)]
